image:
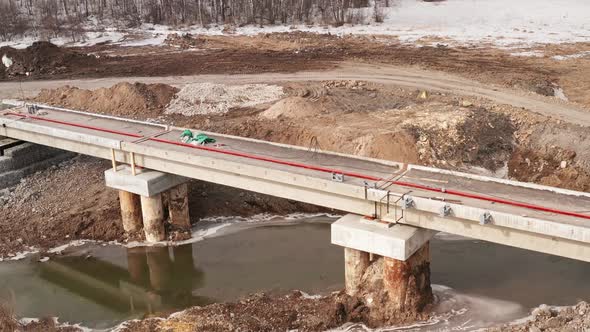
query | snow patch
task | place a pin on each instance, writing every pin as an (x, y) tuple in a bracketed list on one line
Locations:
[(560, 94), (90, 38), (26, 321), (75, 243), (504, 23), (310, 297), (217, 226), (534, 53), (571, 56), (19, 255)]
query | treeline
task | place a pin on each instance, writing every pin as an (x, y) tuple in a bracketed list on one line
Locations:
[(59, 17)]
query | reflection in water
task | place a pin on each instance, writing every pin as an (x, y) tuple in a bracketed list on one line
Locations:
[(100, 286), (156, 279)]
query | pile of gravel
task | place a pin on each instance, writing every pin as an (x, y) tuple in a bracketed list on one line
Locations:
[(209, 98)]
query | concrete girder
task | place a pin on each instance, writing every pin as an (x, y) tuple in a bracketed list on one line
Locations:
[(573, 239)]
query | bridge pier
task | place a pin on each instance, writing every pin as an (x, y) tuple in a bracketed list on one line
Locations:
[(401, 278), (179, 215), (408, 282), (130, 211), (356, 263), (152, 210), (141, 200)]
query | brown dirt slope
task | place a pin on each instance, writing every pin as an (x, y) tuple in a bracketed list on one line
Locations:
[(123, 99), (291, 52), (261, 312)]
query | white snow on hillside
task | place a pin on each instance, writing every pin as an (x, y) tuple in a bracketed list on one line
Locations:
[(91, 38), (504, 23)]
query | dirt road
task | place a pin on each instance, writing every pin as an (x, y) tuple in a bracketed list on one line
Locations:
[(408, 77)]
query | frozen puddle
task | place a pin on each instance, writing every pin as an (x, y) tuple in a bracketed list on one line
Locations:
[(101, 286)]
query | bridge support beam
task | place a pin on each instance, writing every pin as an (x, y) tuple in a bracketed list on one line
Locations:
[(153, 218), (356, 263), (401, 276), (408, 282), (179, 216), (143, 192), (130, 211)]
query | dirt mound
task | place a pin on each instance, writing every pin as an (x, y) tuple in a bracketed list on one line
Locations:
[(262, 312), (123, 99), (473, 136), (43, 58), (291, 107)]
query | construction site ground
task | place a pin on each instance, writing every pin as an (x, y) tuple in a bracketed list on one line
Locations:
[(477, 109)]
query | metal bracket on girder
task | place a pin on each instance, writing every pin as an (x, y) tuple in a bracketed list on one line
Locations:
[(32, 108), (486, 218), (408, 202), (445, 211), (337, 177)]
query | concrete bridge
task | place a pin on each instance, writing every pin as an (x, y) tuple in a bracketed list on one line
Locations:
[(394, 209)]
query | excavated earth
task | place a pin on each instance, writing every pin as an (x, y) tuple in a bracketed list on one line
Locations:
[(362, 118), (366, 119), (299, 51)]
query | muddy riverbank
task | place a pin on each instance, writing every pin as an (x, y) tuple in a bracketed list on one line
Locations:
[(244, 273), (71, 202)]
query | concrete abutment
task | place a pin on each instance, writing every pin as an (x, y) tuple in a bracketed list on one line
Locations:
[(141, 200)]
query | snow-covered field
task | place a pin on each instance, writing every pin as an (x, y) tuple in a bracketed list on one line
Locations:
[(503, 23)]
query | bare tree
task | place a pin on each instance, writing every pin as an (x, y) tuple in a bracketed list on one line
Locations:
[(55, 16)]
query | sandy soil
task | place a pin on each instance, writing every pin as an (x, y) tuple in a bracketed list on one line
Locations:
[(297, 51), (128, 100), (493, 127), (280, 52), (544, 318), (400, 124)]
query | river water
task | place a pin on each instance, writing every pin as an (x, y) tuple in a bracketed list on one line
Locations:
[(476, 283)]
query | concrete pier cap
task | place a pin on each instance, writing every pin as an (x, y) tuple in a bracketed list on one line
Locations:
[(394, 241), (146, 182)]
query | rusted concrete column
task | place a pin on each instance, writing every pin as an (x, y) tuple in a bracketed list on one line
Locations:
[(153, 218), (408, 282), (355, 265), (130, 211), (179, 216)]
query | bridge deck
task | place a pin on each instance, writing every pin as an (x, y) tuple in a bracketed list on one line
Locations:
[(386, 178)]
